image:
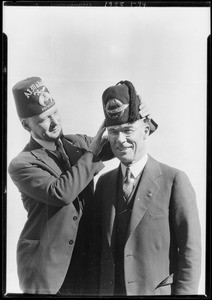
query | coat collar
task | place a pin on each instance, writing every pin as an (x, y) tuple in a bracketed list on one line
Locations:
[(73, 151), (37, 150), (40, 154)]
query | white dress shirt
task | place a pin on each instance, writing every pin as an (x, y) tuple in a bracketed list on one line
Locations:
[(136, 168)]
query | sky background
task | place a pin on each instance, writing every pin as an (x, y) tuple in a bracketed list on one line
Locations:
[(80, 51)]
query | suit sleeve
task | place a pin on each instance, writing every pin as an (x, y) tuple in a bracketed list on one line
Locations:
[(37, 181), (185, 220)]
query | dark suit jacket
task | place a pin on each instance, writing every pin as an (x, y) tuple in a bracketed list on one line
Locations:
[(162, 253), (54, 202)]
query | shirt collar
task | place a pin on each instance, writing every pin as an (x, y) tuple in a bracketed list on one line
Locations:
[(137, 167), (46, 144)]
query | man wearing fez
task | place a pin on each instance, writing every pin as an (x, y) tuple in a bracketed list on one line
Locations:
[(55, 188), (54, 174), (146, 227)]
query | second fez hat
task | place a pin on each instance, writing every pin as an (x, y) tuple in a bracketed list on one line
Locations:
[(31, 97), (121, 105)]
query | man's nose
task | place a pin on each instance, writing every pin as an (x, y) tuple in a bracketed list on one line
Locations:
[(54, 120), (121, 138)]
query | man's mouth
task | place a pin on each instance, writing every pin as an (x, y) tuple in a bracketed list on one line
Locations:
[(56, 128), (123, 149)]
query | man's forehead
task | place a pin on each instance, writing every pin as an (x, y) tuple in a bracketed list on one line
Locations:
[(46, 113), (123, 126)]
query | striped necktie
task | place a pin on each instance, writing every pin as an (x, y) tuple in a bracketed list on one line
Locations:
[(128, 184)]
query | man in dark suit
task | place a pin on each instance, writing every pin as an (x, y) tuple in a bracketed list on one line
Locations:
[(56, 188), (146, 228)]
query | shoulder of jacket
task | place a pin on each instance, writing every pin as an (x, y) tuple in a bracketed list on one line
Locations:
[(169, 170), (175, 175), (23, 157)]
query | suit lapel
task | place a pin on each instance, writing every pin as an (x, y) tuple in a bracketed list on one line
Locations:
[(147, 188), (110, 204), (72, 150), (40, 154)]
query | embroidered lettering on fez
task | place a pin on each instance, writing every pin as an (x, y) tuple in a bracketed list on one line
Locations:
[(44, 99)]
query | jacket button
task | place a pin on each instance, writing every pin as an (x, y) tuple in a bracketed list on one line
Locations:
[(75, 218), (111, 282), (71, 242)]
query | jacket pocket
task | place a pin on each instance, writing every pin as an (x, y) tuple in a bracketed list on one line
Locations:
[(157, 215), (167, 281)]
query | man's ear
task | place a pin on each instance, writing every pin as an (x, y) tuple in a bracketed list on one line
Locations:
[(146, 128), (25, 124), (146, 131)]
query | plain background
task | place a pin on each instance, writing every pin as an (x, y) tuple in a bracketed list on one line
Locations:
[(80, 51)]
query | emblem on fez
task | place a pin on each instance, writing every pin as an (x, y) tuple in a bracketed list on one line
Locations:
[(115, 108), (44, 97)]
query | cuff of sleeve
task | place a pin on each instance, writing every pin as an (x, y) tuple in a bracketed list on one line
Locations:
[(97, 161), (96, 158)]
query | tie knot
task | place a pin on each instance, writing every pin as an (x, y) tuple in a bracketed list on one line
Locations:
[(128, 174), (128, 184)]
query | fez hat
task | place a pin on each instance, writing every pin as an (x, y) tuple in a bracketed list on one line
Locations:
[(121, 105), (31, 97)]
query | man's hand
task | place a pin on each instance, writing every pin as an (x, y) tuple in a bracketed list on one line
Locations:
[(143, 109), (144, 112), (98, 142)]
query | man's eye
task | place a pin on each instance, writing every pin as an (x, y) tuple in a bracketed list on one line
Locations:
[(44, 120), (128, 131), (113, 132)]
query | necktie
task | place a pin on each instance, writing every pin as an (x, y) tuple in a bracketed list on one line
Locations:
[(62, 155), (128, 184)]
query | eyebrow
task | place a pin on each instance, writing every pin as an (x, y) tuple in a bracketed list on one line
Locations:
[(47, 115), (122, 128)]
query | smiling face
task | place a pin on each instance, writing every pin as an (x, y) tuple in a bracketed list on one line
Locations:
[(128, 141), (46, 126)]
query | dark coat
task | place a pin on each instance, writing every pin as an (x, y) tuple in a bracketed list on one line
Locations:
[(54, 202), (162, 255)]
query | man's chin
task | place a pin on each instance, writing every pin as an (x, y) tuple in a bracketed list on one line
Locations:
[(55, 136), (125, 160)]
